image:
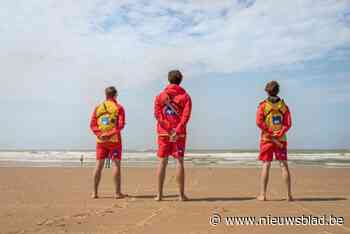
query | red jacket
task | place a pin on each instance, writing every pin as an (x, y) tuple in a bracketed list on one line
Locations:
[(119, 124), (260, 121), (169, 119)]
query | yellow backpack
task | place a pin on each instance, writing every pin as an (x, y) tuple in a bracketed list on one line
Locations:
[(274, 115), (106, 114)]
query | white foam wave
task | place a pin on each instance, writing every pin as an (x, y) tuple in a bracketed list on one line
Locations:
[(58, 157)]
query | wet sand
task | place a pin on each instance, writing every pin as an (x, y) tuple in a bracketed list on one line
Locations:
[(57, 200)]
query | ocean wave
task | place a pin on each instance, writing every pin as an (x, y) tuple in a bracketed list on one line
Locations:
[(336, 159)]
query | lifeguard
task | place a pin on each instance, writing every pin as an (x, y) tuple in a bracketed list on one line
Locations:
[(172, 110), (107, 121), (274, 119)]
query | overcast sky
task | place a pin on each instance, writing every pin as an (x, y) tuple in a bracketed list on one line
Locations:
[(58, 56)]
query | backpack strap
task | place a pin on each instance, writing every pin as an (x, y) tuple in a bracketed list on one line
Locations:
[(282, 109), (105, 111)]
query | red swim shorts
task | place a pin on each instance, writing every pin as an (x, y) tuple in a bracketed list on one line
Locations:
[(268, 149), (167, 148), (108, 150)]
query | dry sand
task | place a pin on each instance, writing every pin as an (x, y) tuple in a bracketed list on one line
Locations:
[(57, 200)]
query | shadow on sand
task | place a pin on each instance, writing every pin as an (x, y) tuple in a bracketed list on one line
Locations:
[(320, 199), (216, 199), (228, 199), (203, 199), (151, 196)]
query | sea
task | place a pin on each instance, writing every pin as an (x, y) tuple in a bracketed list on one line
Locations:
[(193, 158)]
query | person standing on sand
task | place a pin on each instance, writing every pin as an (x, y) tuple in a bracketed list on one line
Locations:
[(274, 119), (81, 160), (107, 121), (172, 110)]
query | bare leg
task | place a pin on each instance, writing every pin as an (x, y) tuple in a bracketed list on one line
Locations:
[(180, 178), (97, 177), (116, 171), (161, 171), (264, 180), (287, 179)]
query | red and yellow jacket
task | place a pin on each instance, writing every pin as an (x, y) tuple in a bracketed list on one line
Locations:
[(172, 109), (113, 125), (274, 120)]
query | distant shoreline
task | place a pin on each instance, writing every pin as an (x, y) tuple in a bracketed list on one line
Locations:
[(198, 158), (188, 151)]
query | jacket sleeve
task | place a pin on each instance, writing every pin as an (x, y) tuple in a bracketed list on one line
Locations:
[(260, 119), (158, 114), (121, 118), (93, 124), (186, 115)]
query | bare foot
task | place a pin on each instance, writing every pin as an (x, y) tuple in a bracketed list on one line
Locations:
[(94, 196), (183, 198), (120, 195), (158, 198), (290, 198), (261, 198)]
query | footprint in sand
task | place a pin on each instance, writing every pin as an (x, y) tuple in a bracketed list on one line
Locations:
[(117, 206), (104, 212), (41, 222), (17, 232), (59, 222), (81, 216), (121, 206), (148, 218)]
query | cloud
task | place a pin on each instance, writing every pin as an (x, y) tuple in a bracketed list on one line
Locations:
[(87, 44)]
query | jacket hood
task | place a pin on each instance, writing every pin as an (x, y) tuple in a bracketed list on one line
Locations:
[(174, 90)]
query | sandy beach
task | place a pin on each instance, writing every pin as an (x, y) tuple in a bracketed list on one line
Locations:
[(57, 200)]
